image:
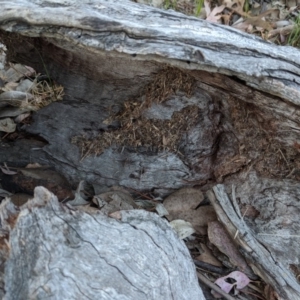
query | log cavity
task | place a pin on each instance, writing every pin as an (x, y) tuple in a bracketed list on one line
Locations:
[(134, 127)]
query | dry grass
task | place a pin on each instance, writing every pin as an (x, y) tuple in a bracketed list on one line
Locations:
[(257, 131), (135, 130), (45, 93)]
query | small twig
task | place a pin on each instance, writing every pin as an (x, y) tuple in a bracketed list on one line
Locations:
[(294, 128), (234, 202), (291, 173), (237, 232), (281, 235), (255, 295), (214, 286), (141, 194), (254, 287), (249, 169), (87, 152), (283, 157), (237, 209), (210, 268), (5, 135), (283, 30)]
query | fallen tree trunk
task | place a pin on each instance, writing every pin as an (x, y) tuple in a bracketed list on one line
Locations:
[(156, 100), (56, 251)]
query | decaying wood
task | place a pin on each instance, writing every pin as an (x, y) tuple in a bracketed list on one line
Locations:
[(270, 254), (245, 91), (55, 251), (94, 38), (103, 58)]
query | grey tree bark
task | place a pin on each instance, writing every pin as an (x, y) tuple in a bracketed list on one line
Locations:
[(56, 252), (243, 100)]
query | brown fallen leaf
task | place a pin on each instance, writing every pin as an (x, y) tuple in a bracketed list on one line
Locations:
[(208, 257), (222, 240), (238, 5), (199, 218), (269, 293), (258, 21), (10, 86), (244, 27), (116, 215), (113, 201), (183, 200), (88, 209), (215, 14), (20, 198), (182, 205)]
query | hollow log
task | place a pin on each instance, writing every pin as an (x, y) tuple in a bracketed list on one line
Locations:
[(156, 100)]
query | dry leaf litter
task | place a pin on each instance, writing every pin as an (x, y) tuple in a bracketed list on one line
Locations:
[(135, 129), (23, 91), (277, 21)]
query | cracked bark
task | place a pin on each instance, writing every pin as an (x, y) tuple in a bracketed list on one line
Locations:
[(247, 90), (93, 255)]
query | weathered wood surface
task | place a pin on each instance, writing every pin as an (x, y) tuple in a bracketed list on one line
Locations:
[(85, 43), (102, 57), (247, 92), (58, 252), (144, 169), (270, 242)]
